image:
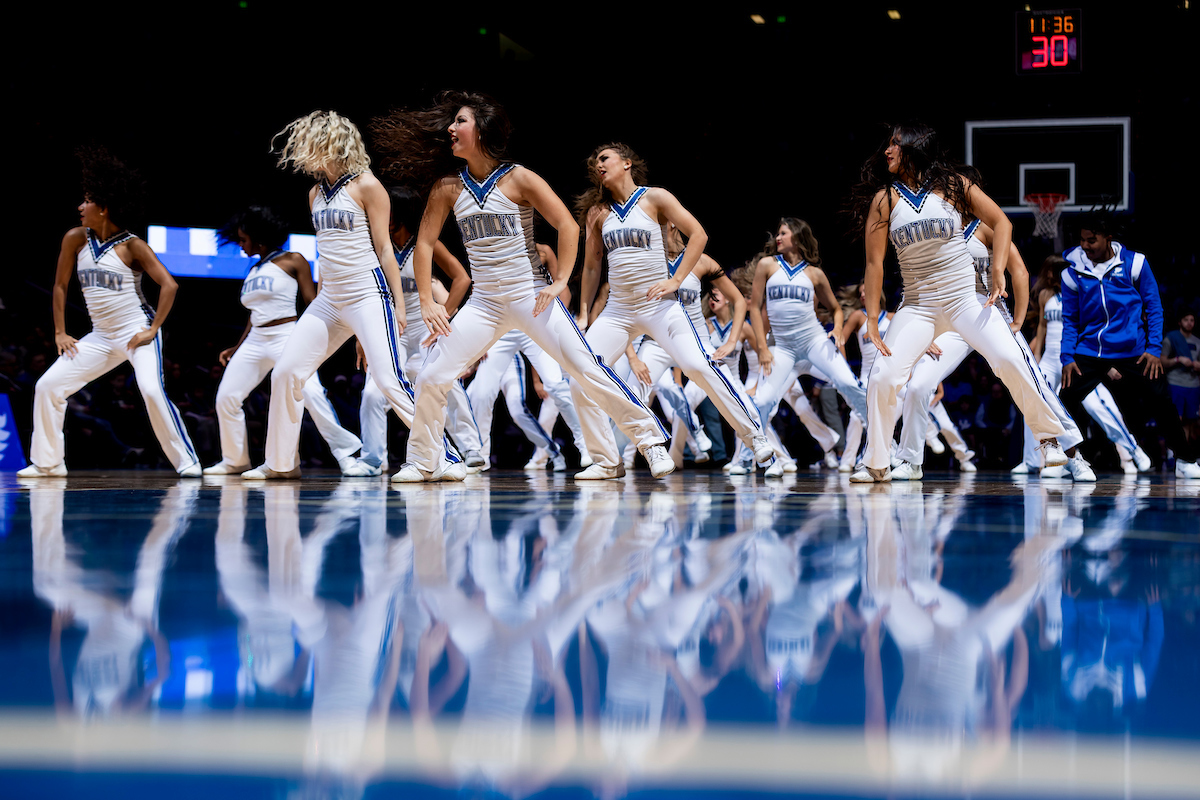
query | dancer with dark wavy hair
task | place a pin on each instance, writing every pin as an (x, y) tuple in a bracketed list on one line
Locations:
[(493, 201), (269, 292), (110, 261), (913, 196), (625, 220), (788, 281)]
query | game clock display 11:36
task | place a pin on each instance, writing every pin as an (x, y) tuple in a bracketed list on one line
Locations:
[(1049, 42)]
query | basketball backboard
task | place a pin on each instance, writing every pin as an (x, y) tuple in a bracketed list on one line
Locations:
[(1086, 159)]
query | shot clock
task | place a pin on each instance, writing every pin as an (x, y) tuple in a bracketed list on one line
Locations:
[(1049, 42)]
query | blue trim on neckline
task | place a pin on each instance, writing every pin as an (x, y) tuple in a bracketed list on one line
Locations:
[(267, 259), (915, 199), (330, 191), (969, 231), (404, 252), (789, 269), (622, 209), (723, 332), (481, 191), (99, 248), (673, 264)]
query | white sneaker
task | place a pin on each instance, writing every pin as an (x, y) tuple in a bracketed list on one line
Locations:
[(1129, 468), (346, 463), (1052, 454), (845, 466), (540, 460), (1143, 462), (474, 459), (560, 463), (1188, 470), (1054, 472), (1020, 469), (193, 471), (935, 445), (896, 460), (1080, 470), (585, 459), (763, 452), (831, 460), (790, 467), (871, 475), (410, 473), (221, 468), (906, 472), (704, 443), (264, 474), (34, 471), (595, 472), (735, 469), (660, 460), (966, 465), (775, 470), (361, 469)]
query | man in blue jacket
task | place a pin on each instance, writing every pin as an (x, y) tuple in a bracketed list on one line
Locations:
[(1106, 291)]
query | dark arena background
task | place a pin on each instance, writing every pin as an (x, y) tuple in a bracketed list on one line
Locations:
[(520, 634)]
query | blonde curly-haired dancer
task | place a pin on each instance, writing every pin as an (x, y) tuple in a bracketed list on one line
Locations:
[(493, 201), (359, 281)]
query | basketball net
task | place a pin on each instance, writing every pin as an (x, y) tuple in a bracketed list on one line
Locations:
[(1047, 208)]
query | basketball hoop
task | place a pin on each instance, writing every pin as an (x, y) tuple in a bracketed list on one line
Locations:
[(1047, 208)]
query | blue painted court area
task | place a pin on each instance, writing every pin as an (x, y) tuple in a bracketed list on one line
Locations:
[(519, 635)]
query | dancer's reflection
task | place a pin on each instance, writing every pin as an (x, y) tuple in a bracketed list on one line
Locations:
[(276, 618), (650, 636), (957, 679), (107, 677)]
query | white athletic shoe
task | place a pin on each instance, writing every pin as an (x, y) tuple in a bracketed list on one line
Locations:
[(595, 472), (193, 471), (1020, 469), (763, 452), (775, 470), (1080, 470), (966, 465), (896, 460), (735, 469), (871, 475), (831, 460), (560, 463), (906, 472), (34, 471), (585, 459), (790, 467), (221, 468), (1054, 472), (660, 460), (845, 467), (704, 443), (410, 473), (1188, 470), (264, 474), (474, 459), (1129, 468), (361, 469), (540, 460), (935, 445), (1052, 454), (1143, 462)]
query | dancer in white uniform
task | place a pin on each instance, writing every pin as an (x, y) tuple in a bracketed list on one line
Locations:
[(856, 325), (110, 262), (625, 220), (789, 281), (359, 283), (493, 203), (269, 292), (913, 197), (406, 208), (1100, 404)]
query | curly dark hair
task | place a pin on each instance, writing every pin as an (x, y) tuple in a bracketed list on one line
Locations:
[(923, 161), (260, 223), (111, 184), (1100, 219), (414, 146), (597, 195), (803, 238)]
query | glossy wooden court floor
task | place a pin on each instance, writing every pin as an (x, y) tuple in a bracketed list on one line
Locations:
[(523, 635)]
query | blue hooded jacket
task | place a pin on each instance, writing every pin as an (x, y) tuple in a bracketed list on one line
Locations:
[(1103, 306)]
